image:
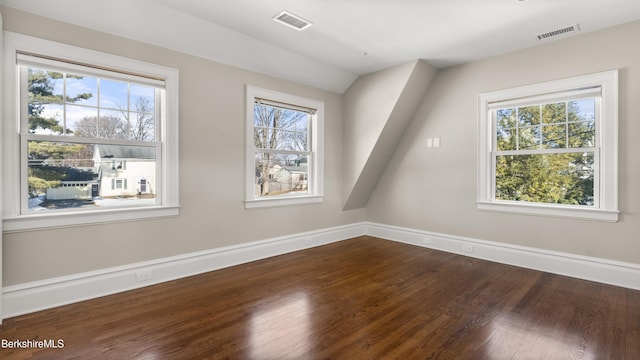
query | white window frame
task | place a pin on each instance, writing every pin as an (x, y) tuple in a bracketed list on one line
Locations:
[(15, 219), (316, 165), (606, 151)]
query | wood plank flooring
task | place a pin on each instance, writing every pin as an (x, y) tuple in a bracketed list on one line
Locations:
[(363, 298)]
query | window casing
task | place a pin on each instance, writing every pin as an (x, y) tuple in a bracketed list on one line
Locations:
[(284, 157), (551, 148), (86, 127)]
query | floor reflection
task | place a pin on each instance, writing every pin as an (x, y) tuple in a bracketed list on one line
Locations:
[(282, 330), (515, 338)]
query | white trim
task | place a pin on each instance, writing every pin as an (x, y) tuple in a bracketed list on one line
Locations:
[(168, 167), (1, 161), (16, 42), (74, 218), (316, 165), (39, 295), (567, 211), (87, 70), (546, 98), (284, 201), (605, 271), (606, 179)]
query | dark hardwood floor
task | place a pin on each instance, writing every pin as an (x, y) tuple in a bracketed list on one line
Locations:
[(363, 298)]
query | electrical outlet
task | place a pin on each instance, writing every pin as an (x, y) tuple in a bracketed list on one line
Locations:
[(467, 248), (144, 275)]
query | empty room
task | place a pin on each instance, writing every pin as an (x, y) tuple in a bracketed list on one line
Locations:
[(320, 179)]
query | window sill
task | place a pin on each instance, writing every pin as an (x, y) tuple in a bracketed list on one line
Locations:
[(284, 201), (570, 212), (71, 219)]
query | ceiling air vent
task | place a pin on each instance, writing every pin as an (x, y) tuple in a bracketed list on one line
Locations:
[(292, 20), (558, 32)]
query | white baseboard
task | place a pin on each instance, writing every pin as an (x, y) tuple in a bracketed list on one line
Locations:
[(39, 295), (582, 267)]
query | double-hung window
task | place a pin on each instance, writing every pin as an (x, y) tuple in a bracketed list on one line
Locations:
[(284, 149), (93, 137), (551, 148)]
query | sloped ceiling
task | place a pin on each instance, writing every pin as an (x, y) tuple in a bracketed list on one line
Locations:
[(156, 24), (331, 53), (378, 108)]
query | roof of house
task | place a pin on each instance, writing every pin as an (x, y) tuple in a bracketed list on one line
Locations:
[(297, 169), (125, 152)]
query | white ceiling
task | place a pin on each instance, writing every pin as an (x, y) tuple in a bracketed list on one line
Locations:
[(329, 54)]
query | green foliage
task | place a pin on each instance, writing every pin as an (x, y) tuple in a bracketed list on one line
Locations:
[(38, 185), (549, 178), (51, 150), (566, 177), (41, 92), (60, 173), (41, 88)]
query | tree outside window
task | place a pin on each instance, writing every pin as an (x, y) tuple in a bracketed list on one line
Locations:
[(72, 106), (550, 148), (284, 163), (281, 139), (545, 153)]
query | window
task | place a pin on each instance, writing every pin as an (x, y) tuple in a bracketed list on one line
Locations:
[(85, 125), (551, 148), (284, 149)]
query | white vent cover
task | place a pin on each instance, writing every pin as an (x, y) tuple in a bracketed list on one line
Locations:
[(292, 20), (558, 32)]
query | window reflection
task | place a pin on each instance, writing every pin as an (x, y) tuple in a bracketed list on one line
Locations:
[(282, 330), (516, 338)]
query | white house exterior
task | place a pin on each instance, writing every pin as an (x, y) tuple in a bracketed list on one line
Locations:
[(125, 171), (285, 178)]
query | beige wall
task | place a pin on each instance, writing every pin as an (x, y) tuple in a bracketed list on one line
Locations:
[(378, 107), (369, 102), (212, 122), (434, 189)]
